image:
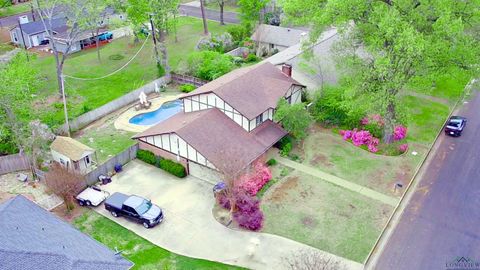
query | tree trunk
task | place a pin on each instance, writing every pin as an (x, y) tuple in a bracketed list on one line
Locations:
[(204, 18), (163, 50), (97, 43), (222, 4), (390, 118), (157, 57)]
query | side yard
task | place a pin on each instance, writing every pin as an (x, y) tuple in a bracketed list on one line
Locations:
[(141, 252)]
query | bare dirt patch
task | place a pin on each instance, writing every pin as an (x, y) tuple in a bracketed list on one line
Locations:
[(320, 159), (309, 222), (281, 192), (68, 216)]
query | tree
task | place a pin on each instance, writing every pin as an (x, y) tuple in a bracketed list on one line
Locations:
[(93, 19), (403, 41), (221, 4), (251, 10), (294, 118), (162, 15), (18, 82), (204, 17), (64, 183), (308, 259)]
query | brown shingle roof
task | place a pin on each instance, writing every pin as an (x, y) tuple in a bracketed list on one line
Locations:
[(70, 148), (218, 138), (251, 90)]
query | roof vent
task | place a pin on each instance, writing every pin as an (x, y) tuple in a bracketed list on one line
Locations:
[(287, 70)]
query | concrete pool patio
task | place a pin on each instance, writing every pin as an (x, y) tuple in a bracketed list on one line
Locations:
[(123, 123), (190, 229)]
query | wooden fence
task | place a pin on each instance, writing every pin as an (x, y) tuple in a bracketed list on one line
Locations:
[(89, 117), (108, 166), (13, 163), (184, 79)]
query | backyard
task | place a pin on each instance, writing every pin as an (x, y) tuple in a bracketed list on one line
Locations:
[(15, 9), (142, 253), (85, 95)]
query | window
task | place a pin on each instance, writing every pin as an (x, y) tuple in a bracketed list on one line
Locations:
[(272, 46), (62, 162), (259, 119), (87, 159), (289, 99), (15, 37)]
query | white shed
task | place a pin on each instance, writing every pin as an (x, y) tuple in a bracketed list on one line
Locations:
[(72, 154)]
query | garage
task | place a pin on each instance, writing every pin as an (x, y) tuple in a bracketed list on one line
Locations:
[(204, 173)]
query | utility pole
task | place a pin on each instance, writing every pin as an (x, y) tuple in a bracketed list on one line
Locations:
[(62, 85), (23, 39), (154, 40), (33, 13)]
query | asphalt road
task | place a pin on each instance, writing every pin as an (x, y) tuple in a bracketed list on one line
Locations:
[(228, 17), (441, 223)]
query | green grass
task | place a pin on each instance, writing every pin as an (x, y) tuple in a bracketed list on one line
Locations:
[(328, 152), (88, 95), (15, 9), (324, 216), (141, 252), (107, 141), (5, 47), (426, 118), (449, 85)]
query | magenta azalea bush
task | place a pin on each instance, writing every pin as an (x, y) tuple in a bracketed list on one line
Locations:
[(254, 181), (403, 148), (399, 133), (362, 137), (248, 214)]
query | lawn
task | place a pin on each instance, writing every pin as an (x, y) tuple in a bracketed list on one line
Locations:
[(5, 47), (141, 252), (15, 9), (83, 95), (324, 216)]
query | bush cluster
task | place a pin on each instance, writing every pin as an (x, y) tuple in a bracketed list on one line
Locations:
[(361, 137), (209, 65), (239, 33), (251, 58), (187, 88), (248, 214), (254, 181), (271, 162), (167, 165), (218, 43)]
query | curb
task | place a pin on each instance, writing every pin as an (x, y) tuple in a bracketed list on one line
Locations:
[(371, 260)]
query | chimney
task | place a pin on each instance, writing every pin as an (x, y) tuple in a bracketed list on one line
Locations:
[(23, 19), (287, 70)]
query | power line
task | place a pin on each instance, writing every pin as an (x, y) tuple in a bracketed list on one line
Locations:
[(114, 72)]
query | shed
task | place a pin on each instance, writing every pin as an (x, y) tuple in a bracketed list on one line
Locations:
[(72, 154)]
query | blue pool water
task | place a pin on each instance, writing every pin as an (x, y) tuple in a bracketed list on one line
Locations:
[(165, 111)]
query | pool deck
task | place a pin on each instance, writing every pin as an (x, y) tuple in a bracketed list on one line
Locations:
[(123, 123)]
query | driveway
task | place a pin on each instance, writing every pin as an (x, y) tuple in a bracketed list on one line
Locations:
[(189, 227)]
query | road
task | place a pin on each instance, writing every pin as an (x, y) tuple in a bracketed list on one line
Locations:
[(441, 223), (228, 17)]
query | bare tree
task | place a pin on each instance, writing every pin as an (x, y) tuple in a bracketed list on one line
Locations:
[(204, 17), (94, 19), (221, 4), (37, 143), (65, 183), (311, 260)]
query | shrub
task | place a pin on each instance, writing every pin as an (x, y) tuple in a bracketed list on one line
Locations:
[(294, 118), (209, 65), (218, 43), (251, 58), (327, 107), (271, 162), (254, 181), (187, 88), (172, 167), (85, 109), (248, 214), (374, 129), (403, 148), (361, 138), (399, 133), (147, 157), (285, 150), (238, 33)]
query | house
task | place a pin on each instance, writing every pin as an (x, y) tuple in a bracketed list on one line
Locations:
[(84, 40), (321, 69), (270, 38), (31, 34), (33, 238), (226, 124), (72, 154)]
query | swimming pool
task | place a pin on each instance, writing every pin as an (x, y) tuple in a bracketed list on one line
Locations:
[(167, 110)]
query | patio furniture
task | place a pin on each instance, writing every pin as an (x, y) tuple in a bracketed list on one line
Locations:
[(22, 177)]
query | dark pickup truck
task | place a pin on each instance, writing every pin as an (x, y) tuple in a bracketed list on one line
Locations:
[(134, 207)]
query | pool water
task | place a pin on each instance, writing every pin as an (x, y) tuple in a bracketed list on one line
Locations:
[(167, 110)]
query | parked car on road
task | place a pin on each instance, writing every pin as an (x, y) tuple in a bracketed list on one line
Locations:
[(91, 196), (455, 126), (134, 207)]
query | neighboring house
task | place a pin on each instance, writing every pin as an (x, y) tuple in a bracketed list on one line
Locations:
[(33, 238), (269, 37), (72, 154), (31, 34), (317, 70), (84, 40), (226, 124)]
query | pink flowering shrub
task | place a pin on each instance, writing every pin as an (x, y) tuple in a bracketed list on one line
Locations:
[(399, 133), (347, 134), (364, 121), (403, 148), (362, 137), (254, 181), (248, 214)]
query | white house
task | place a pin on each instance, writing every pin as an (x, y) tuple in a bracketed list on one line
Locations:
[(72, 154), (226, 124), (270, 37)]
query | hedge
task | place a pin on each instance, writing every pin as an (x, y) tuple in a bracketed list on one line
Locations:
[(167, 165)]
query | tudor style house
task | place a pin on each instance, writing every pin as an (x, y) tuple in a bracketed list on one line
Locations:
[(226, 124)]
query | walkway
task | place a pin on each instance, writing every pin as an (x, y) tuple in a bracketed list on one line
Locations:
[(339, 181), (189, 227)]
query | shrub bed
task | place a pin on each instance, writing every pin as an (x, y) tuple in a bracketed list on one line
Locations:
[(187, 88), (167, 165)]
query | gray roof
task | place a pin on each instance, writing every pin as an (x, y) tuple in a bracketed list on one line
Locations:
[(277, 35), (33, 238), (30, 28)]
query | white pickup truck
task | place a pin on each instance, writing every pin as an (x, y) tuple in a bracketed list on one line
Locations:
[(92, 196)]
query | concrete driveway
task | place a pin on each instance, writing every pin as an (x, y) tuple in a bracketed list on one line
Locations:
[(189, 227)]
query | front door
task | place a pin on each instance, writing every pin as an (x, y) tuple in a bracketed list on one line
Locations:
[(35, 40)]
